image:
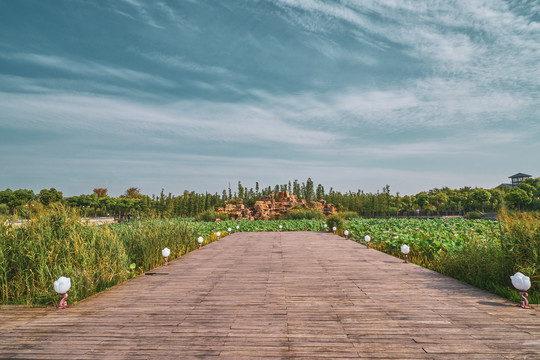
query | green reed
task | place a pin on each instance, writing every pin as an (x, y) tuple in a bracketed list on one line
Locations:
[(56, 243)]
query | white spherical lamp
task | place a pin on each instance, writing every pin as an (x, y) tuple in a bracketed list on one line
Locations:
[(522, 283), (166, 252), (405, 250), (61, 286)]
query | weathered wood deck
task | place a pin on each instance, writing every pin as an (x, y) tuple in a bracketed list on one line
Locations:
[(279, 295)]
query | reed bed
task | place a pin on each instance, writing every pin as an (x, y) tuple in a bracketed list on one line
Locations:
[(57, 243)]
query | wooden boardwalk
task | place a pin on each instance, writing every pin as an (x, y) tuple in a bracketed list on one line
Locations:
[(299, 295)]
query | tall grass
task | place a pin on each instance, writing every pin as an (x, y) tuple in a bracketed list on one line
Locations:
[(57, 243), (490, 266)]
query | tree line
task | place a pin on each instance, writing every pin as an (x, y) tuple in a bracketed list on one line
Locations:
[(443, 201)]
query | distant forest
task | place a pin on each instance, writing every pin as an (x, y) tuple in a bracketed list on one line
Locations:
[(444, 201)]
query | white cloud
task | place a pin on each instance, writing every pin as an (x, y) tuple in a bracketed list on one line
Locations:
[(180, 62), (239, 123), (87, 68), (481, 41)]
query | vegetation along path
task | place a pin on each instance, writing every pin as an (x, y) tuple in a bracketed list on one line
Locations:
[(279, 295)]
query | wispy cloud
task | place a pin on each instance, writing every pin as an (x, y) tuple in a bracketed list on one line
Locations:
[(181, 62), (203, 120), (480, 39), (141, 9), (86, 68)]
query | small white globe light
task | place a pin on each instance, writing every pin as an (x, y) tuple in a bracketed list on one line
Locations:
[(62, 285), (367, 239), (346, 233), (229, 230), (280, 227), (325, 226), (522, 283), (166, 252), (218, 234), (237, 227), (200, 240), (405, 249)]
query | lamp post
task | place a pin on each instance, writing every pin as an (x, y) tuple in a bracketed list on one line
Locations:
[(200, 241), (325, 226), (334, 229), (405, 250), (346, 233), (218, 235), (166, 252), (367, 239), (229, 230), (237, 227), (522, 283), (61, 286), (280, 227)]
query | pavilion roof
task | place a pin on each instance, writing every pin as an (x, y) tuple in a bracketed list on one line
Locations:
[(519, 175)]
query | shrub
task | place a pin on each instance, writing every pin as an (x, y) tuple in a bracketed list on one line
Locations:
[(298, 214), (335, 220), (473, 215), (349, 215), (211, 215)]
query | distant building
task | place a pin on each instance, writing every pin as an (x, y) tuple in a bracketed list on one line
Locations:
[(516, 180)]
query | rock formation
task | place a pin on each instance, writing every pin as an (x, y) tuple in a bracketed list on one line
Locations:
[(268, 207)]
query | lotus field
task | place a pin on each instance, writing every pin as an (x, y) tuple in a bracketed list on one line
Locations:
[(481, 252), (426, 238)]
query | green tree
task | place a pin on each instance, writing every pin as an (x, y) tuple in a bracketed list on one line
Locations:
[(50, 196), (319, 192), (133, 193), (240, 191), (100, 192), (310, 191), (518, 198), (481, 196), (422, 200), (296, 188)]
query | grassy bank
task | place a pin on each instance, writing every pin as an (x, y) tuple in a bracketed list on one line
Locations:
[(57, 244), (482, 253)]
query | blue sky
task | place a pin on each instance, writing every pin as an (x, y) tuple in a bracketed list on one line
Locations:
[(196, 94)]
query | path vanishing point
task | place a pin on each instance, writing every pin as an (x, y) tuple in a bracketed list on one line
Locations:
[(289, 295)]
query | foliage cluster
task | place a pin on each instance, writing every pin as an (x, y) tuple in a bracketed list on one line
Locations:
[(212, 215), (297, 214), (336, 221), (473, 215)]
